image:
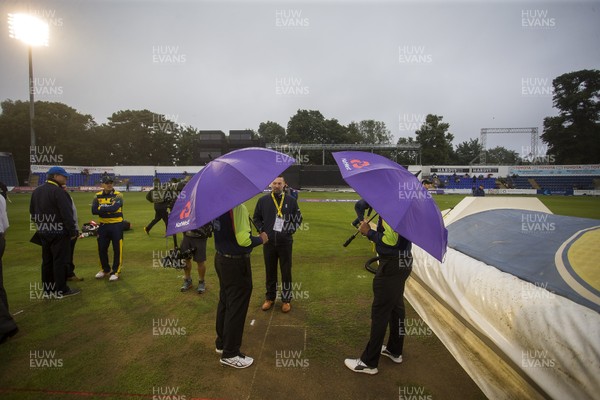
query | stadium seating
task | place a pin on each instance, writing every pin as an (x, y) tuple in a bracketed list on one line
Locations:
[(8, 173), (164, 177), (466, 183), (555, 182), (138, 180)]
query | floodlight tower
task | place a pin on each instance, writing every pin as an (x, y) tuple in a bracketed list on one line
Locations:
[(34, 32)]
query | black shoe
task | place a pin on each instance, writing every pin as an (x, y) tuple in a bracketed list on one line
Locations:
[(71, 292), (5, 336)]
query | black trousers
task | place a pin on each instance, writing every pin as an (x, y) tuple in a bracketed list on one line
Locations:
[(282, 254), (235, 289), (71, 266), (3, 297), (8, 326), (158, 215), (107, 234), (56, 255), (387, 309)]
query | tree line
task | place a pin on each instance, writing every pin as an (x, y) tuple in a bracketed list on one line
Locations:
[(143, 137)]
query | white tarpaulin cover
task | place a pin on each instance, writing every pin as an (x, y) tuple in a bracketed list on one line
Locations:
[(542, 339)]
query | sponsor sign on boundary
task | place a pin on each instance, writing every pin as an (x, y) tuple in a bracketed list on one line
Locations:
[(586, 192)]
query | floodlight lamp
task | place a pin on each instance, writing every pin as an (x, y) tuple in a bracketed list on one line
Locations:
[(28, 29)]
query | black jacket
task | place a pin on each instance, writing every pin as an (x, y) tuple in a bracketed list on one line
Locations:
[(51, 209), (264, 218), (162, 199)]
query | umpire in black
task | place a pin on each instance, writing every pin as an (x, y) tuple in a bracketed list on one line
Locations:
[(278, 216), (51, 210), (395, 265), (234, 243)]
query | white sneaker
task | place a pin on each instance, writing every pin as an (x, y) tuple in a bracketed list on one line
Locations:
[(101, 275), (357, 365), (386, 352), (237, 361), (113, 277), (219, 351)]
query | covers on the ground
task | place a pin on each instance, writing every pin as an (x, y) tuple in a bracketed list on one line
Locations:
[(523, 281)]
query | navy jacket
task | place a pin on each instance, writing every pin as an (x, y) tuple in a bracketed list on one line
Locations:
[(51, 210), (264, 218)]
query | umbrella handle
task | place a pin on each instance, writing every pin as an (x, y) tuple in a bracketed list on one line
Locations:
[(351, 238)]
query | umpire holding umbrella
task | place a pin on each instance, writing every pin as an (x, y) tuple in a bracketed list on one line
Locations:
[(395, 265), (233, 244), (221, 188), (407, 209)]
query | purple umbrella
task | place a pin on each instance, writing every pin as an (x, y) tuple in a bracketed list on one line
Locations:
[(398, 196), (224, 183)]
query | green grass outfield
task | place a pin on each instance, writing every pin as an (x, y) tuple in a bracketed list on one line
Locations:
[(102, 343)]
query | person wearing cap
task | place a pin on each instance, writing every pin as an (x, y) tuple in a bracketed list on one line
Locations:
[(51, 210), (108, 205)]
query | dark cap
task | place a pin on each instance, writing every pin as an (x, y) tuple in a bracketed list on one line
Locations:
[(107, 179)]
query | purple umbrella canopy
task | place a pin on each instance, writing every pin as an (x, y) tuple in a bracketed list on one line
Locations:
[(224, 183), (398, 197)]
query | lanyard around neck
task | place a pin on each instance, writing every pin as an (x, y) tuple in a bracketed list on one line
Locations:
[(280, 205)]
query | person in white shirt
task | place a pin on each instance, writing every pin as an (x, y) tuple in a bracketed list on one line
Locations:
[(8, 327), (3, 228)]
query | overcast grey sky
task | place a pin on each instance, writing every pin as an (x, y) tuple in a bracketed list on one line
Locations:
[(232, 65)]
